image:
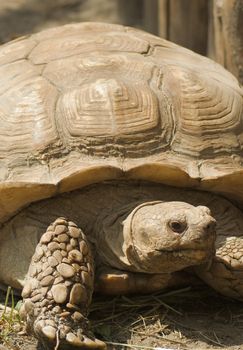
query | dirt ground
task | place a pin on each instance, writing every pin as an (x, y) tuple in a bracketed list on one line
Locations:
[(186, 319)]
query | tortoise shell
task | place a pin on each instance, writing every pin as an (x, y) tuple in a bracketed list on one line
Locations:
[(89, 102)]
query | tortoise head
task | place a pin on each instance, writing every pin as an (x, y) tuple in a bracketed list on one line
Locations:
[(168, 236)]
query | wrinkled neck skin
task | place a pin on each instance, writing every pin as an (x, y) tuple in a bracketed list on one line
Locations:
[(132, 255), (113, 241), (141, 239)]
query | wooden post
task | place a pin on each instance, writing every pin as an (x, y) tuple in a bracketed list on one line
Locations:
[(162, 15), (150, 14), (228, 35), (188, 24), (130, 12)]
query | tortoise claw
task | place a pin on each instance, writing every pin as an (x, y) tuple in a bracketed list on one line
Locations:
[(84, 342), (94, 344)]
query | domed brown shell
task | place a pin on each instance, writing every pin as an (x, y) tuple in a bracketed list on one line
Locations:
[(89, 102)]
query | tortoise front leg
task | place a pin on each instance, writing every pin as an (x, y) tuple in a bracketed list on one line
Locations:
[(225, 274), (58, 289)]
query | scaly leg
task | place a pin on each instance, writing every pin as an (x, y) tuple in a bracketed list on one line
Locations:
[(225, 274), (58, 289)]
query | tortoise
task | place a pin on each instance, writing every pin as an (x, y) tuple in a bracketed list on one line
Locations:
[(120, 172)]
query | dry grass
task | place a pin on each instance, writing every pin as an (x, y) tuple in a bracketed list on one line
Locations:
[(127, 318), (9, 321), (116, 320), (182, 319)]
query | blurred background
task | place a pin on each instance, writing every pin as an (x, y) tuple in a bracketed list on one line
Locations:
[(212, 28)]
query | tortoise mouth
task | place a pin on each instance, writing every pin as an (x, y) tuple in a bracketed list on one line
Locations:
[(172, 250), (197, 253)]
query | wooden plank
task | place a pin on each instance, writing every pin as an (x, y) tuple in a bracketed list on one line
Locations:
[(163, 18), (150, 14), (228, 35), (211, 38), (130, 12), (188, 22)]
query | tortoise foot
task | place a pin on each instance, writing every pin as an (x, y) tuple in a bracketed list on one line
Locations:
[(63, 330), (58, 289)]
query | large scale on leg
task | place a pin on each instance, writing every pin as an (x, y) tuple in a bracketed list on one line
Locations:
[(86, 103)]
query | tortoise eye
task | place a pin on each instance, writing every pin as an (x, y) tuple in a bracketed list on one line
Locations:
[(177, 226)]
